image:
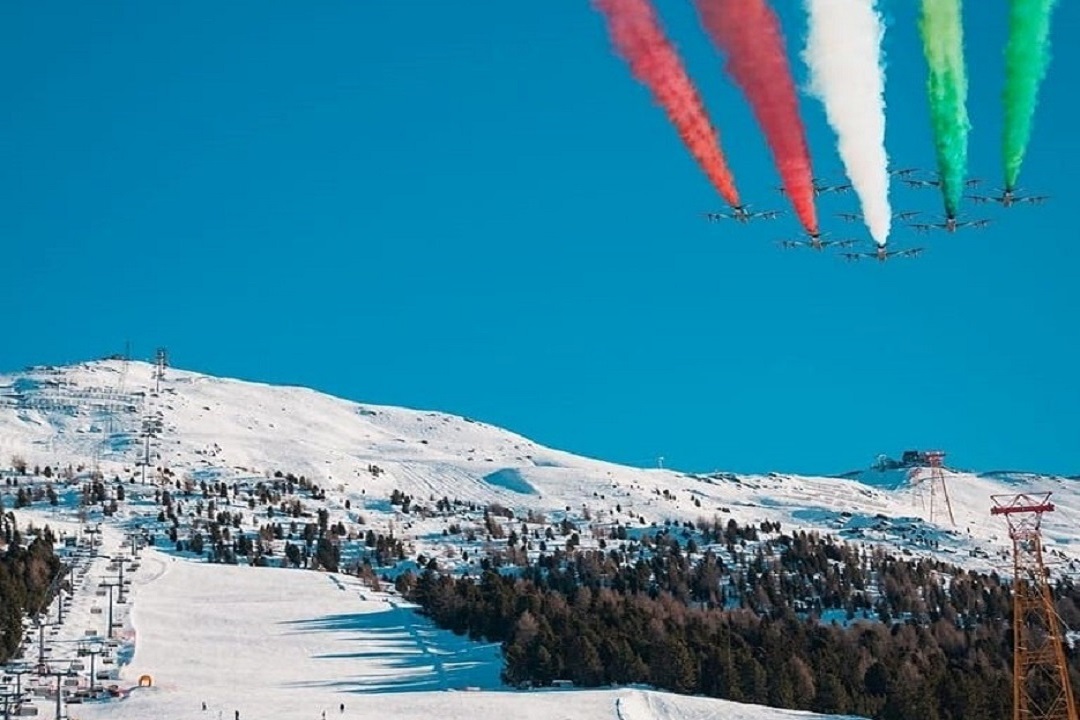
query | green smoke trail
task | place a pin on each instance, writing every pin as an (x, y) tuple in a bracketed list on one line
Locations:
[(943, 45), (1027, 55)]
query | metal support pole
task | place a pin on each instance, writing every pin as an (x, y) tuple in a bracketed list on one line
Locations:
[(18, 673), (146, 456), (109, 633), (1041, 684)]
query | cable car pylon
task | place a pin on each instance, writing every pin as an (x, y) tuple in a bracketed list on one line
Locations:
[(1041, 689)]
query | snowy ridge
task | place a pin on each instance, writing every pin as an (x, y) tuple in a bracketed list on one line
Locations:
[(214, 428)]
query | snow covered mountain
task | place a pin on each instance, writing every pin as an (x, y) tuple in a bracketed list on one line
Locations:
[(211, 429), (284, 643)]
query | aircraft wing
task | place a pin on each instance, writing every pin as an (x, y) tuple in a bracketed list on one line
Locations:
[(850, 217), (1032, 199), (922, 227), (980, 199), (908, 215)]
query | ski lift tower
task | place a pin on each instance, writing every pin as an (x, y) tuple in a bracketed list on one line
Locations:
[(1038, 652), (161, 361), (935, 460)]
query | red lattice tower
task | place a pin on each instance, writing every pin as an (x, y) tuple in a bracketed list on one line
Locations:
[(1041, 688), (936, 459)]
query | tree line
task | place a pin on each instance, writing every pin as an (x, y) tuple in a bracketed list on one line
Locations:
[(937, 644), (26, 573)]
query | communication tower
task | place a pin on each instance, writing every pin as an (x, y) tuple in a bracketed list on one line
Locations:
[(1041, 688), (936, 478)]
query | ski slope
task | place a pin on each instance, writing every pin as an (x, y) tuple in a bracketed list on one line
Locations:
[(279, 644), (276, 644)]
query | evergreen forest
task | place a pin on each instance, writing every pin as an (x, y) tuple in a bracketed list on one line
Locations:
[(802, 622), (27, 573)]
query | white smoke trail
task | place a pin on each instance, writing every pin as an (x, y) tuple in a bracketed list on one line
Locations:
[(843, 53)]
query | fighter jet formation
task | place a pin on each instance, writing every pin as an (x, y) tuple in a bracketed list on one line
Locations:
[(846, 72), (901, 218)]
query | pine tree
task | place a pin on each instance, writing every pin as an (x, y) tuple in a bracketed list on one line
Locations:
[(672, 667)]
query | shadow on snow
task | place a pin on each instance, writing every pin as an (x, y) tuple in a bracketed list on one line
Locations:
[(401, 651)]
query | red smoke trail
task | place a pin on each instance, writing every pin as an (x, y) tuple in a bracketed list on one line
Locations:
[(749, 33), (635, 30)]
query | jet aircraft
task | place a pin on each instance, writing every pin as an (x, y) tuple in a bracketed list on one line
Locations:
[(821, 188), (815, 242), (881, 254), (936, 182), (742, 214), (855, 217), (1007, 198), (950, 224)]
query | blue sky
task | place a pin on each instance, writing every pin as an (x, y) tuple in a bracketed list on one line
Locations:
[(474, 207)]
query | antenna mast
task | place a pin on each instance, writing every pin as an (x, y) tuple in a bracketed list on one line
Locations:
[(1041, 689)]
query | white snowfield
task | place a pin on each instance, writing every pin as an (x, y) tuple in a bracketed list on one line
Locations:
[(278, 643), (274, 643)]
